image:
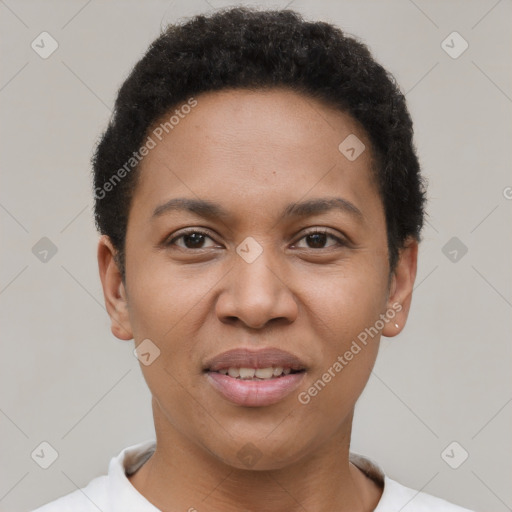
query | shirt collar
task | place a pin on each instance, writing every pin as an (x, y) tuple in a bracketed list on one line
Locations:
[(124, 497), (369, 468)]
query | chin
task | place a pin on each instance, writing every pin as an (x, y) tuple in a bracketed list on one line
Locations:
[(255, 452)]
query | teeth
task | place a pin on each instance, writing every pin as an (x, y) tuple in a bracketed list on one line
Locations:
[(233, 372), (278, 370), (247, 373), (253, 373), (264, 373)]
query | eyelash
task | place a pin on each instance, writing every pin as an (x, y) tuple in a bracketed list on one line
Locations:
[(340, 241)]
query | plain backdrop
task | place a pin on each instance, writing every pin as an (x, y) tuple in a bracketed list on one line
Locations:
[(67, 381)]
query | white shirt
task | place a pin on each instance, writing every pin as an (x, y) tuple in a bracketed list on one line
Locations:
[(115, 493)]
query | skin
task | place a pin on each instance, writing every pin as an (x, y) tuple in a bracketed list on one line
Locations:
[(254, 152)]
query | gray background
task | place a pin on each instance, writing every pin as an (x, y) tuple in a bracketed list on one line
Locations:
[(65, 379)]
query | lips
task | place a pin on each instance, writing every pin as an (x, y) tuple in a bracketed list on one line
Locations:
[(243, 376), (245, 358)]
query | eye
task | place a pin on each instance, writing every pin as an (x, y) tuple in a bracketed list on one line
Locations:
[(318, 238), (192, 239), (195, 239)]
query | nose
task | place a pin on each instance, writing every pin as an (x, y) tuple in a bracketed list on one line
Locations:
[(256, 294)]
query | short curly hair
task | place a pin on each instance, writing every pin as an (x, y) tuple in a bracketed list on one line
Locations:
[(260, 49)]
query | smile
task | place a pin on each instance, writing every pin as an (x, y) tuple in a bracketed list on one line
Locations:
[(254, 378), (257, 373)]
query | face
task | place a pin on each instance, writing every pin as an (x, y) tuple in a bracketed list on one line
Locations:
[(274, 259)]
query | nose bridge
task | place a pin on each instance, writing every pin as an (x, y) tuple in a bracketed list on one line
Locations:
[(257, 291), (256, 269)]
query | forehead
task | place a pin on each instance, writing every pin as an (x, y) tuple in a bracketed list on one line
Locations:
[(254, 149)]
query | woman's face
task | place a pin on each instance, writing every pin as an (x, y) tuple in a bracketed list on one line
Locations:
[(253, 279)]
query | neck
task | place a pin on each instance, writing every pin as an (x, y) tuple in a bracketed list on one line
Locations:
[(183, 476)]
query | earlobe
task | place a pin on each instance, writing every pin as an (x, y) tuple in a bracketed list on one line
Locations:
[(401, 288), (114, 291)]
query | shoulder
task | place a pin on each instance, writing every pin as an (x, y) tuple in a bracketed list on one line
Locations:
[(91, 498), (112, 492), (397, 497)]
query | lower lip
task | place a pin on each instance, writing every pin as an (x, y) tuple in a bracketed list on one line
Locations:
[(254, 393)]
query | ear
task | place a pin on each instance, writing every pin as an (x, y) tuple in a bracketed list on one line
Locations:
[(113, 290), (401, 287)]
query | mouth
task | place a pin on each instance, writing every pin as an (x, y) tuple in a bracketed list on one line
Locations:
[(254, 378), (271, 372)]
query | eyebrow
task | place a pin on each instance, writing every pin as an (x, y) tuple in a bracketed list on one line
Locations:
[(209, 209)]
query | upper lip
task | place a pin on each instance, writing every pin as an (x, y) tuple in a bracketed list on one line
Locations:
[(262, 358)]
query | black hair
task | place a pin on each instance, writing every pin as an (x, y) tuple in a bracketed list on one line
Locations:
[(260, 49)]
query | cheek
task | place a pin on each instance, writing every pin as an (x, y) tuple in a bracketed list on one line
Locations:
[(347, 357), (345, 300), (344, 307), (169, 305), (165, 298)]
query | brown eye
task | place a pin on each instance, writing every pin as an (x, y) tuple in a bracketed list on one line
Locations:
[(193, 239), (317, 239)]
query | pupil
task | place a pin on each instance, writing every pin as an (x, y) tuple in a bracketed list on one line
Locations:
[(315, 236), (318, 239), (197, 238)]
